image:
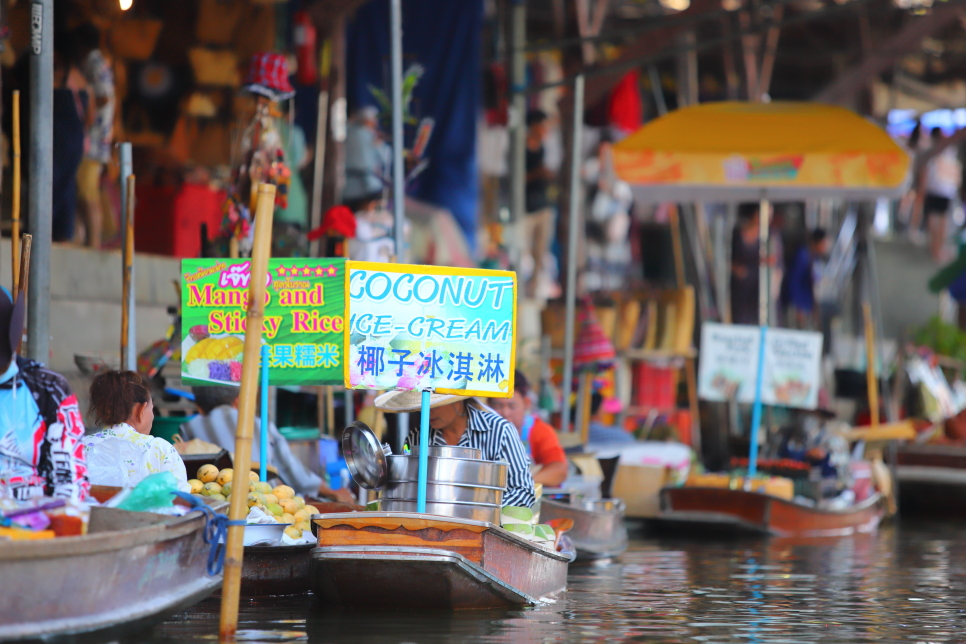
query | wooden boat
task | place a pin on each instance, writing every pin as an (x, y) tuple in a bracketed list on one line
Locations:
[(598, 531), (269, 571), (407, 561), (717, 510), (931, 479), (130, 570)]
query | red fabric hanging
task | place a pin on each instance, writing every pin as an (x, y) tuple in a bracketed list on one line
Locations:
[(625, 109)]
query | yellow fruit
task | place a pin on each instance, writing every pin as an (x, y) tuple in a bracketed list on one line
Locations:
[(226, 488), (310, 510), (283, 492), (300, 516), (274, 508), (207, 473), (225, 475), (304, 525), (293, 533), (216, 349), (211, 488), (263, 488), (299, 501), (287, 518), (253, 500), (270, 498), (217, 497), (253, 476), (290, 506), (196, 486)]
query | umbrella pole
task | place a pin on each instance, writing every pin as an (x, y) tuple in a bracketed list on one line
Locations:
[(263, 422), (424, 451), (264, 211), (764, 217), (24, 268), (572, 240)]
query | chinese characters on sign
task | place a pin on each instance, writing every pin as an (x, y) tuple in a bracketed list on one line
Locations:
[(420, 327), (729, 365), (303, 324)]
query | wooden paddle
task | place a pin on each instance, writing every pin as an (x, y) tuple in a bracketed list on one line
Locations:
[(560, 526)]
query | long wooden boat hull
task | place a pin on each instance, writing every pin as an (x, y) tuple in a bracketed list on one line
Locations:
[(721, 510), (131, 568), (931, 480), (598, 533), (409, 561)]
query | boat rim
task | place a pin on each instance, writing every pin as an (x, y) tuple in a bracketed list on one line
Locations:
[(486, 525), (870, 502), (165, 529)]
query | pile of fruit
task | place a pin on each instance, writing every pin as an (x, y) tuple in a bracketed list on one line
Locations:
[(280, 502)]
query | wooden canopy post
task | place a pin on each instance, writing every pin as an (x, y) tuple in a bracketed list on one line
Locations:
[(24, 270), (127, 274), (238, 509), (15, 230)]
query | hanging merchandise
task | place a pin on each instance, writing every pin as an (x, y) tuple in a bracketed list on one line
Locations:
[(304, 35), (258, 154)]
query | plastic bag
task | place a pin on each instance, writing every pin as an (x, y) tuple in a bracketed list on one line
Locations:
[(154, 491)]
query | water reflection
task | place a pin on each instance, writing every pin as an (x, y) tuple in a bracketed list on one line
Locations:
[(904, 584)]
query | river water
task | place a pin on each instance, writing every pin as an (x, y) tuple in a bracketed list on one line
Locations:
[(907, 583)]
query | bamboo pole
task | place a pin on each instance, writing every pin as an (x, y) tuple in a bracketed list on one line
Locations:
[(870, 375), (126, 275), (238, 509), (585, 388), (24, 268), (15, 231)]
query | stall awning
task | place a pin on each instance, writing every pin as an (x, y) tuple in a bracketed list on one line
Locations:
[(733, 151)]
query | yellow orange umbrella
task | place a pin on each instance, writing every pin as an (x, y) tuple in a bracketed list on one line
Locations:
[(781, 151)]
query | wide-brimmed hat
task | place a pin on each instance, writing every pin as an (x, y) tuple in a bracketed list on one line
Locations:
[(398, 401), (268, 76)]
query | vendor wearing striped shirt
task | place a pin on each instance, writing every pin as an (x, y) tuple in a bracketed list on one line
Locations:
[(465, 422)]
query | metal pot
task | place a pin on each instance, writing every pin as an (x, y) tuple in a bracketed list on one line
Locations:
[(453, 471), (474, 511), (449, 451), (441, 492)]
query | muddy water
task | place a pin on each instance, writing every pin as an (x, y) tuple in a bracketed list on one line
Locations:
[(905, 584)]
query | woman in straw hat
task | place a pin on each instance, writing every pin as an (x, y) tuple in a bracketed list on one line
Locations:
[(465, 422)]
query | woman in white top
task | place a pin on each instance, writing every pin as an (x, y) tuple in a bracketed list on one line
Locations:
[(124, 452)]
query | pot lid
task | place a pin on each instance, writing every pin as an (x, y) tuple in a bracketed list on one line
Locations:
[(364, 456)]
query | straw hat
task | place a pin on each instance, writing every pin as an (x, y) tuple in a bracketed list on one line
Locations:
[(396, 401)]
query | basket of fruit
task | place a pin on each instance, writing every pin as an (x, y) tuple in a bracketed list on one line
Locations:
[(277, 507)]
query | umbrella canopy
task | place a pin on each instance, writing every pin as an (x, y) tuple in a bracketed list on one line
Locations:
[(733, 151)]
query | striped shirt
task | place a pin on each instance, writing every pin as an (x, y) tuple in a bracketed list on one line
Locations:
[(499, 441)]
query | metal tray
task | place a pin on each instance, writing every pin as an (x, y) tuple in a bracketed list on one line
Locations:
[(445, 493)]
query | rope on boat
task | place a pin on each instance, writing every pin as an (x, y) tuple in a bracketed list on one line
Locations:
[(216, 531)]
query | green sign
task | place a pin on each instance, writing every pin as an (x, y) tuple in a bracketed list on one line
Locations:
[(303, 323)]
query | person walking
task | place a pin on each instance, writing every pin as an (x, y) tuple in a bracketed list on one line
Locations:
[(943, 175), (100, 133)]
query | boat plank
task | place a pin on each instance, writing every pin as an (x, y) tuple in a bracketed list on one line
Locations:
[(465, 542)]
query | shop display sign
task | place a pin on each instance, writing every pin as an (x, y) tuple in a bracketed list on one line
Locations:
[(303, 324), (451, 330), (729, 365)]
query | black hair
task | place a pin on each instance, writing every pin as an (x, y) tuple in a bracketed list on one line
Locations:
[(520, 383), (937, 132), (747, 210), (85, 38), (535, 117), (817, 236), (114, 395), (207, 398)]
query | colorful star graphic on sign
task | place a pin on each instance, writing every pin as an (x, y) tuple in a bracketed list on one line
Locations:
[(281, 270), (332, 270), (319, 271)]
